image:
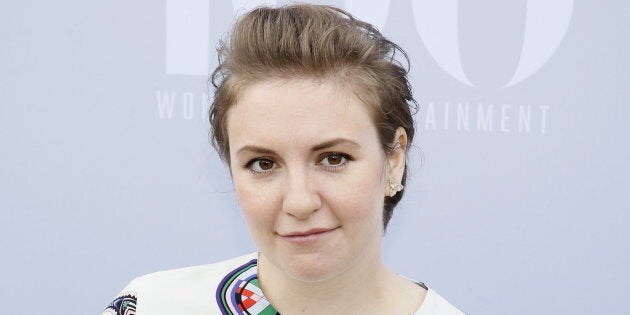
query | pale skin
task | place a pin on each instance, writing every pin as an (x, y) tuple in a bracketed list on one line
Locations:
[(311, 175)]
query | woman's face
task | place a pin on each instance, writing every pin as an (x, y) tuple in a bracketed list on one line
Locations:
[(310, 176)]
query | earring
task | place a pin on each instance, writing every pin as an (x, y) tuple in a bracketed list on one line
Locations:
[(394, 188)]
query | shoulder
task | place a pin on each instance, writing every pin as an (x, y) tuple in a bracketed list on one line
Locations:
[(434, 304), (188, 275), (166, 292)]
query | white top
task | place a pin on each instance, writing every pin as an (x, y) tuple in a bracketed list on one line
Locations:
[(222, 288)]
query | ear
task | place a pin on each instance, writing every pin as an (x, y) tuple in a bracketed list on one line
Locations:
[(397, 157)]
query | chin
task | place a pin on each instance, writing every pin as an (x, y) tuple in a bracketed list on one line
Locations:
[(313, 267)]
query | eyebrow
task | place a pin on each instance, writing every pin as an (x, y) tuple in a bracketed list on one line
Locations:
[(334, 142), (321, 146)]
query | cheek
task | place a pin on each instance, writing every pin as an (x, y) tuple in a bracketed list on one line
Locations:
[(359, 197), (257, 200)]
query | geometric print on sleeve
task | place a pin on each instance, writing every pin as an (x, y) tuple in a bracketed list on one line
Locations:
[(125, 304), (239, 293)]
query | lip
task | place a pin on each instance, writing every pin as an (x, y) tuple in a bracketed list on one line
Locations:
[(307, 237)]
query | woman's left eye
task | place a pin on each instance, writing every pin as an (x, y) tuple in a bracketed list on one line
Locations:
[(334, 160)]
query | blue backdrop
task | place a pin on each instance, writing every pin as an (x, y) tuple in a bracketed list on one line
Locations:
[(518, 195)]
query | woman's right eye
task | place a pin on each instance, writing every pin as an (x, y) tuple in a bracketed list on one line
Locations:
[(261, 165)]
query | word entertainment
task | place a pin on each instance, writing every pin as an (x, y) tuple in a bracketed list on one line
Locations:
[(460, 117), (186, 105), (466, 117)]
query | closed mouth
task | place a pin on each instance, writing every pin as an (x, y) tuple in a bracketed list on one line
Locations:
[(309, 232)]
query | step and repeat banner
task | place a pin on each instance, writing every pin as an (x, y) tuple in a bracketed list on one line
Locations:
[(518, 194)]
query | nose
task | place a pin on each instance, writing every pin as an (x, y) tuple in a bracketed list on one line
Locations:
[(301, 197)]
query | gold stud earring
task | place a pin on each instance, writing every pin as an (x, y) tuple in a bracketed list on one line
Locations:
[(394, 188)]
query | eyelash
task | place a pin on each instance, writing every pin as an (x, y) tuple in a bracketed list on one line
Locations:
[(343, 164), (249, 165), (347, 158)]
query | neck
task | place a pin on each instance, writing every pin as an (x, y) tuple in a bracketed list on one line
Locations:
[(334, 295)]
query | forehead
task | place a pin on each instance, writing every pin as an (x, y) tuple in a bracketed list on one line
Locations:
[(298, 111)]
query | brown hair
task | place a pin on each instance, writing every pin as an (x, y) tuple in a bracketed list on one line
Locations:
[(315, 41)]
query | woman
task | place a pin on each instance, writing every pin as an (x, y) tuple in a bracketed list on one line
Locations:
[(311, 114)]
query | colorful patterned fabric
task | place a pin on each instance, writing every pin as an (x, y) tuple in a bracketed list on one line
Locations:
[(230, 287), (239, 293), (125, 304)]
